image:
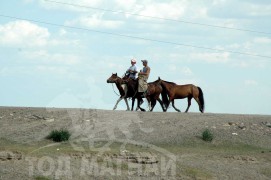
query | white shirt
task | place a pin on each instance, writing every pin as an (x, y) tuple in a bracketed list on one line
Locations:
[(133, 75)]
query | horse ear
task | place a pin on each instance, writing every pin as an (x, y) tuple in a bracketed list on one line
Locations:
[(159, 78), (116, 74)]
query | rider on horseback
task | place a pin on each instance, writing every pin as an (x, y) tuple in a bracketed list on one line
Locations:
[(143, 77), (132, 71)]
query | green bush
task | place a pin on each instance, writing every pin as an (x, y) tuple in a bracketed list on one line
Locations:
[(59, 135), (207, 135)]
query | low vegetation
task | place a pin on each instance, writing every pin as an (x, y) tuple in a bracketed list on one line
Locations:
[(207, 135), (41, 178), (59, 135)]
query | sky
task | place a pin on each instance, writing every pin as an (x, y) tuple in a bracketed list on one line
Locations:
[(42, 65)]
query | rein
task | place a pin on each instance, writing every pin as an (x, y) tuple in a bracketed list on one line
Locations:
[(119, 95), (114, 90)]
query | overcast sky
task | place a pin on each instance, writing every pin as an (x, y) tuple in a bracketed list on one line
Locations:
[(44, 65)]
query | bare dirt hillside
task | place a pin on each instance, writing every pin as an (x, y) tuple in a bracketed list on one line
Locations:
[(132, 145)]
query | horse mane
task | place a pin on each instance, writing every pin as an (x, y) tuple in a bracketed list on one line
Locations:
[(170, 82), (154, 82)]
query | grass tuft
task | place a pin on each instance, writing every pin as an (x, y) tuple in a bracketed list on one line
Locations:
[(207, 135), (59, 135)]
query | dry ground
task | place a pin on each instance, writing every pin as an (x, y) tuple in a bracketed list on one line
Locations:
[(132, 145)]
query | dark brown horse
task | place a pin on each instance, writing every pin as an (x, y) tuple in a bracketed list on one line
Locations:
[(154, 91), (122, 89), (189, 91), (132, 87), (130, 91)]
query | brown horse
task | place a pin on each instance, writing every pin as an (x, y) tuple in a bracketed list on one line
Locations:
[(122, 91), (132, 87), (129, 92), (189, 91), (154, 91)]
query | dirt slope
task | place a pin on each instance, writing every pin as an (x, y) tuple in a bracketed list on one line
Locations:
[(240, 149)]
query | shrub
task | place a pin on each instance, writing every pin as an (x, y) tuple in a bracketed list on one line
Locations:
[(59, 135), (207, 135)]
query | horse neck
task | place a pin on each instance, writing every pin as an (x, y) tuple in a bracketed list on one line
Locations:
[(121, 90), (168, 86)]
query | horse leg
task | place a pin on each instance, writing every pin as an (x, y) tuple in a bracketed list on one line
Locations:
[(173, 105), (133, 103), (153, 103), (167, 105), (189, 104), (161, 103), (128, 108), (150, 104), (139, 99), (149, 99), (115, 107), (138, 102)]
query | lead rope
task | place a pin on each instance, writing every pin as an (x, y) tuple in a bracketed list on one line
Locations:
[(114, 90)]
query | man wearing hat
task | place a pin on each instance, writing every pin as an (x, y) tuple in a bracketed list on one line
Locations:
[(143, 76), (132, 71)]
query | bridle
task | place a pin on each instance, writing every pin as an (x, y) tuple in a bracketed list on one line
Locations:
[(117, 93), (114, 88)]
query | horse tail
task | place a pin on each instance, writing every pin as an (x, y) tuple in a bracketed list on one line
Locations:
[(165, 98), (201, 99)]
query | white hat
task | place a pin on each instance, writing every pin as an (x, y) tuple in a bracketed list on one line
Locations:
[(133, 60)]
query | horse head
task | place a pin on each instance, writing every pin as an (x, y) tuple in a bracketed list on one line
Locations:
[(158, 81), (113, 78)]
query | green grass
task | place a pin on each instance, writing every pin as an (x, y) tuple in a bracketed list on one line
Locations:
[(266, 172), (195, 173), (59, 135), (198, 146), (195, 146), (41, 178)]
